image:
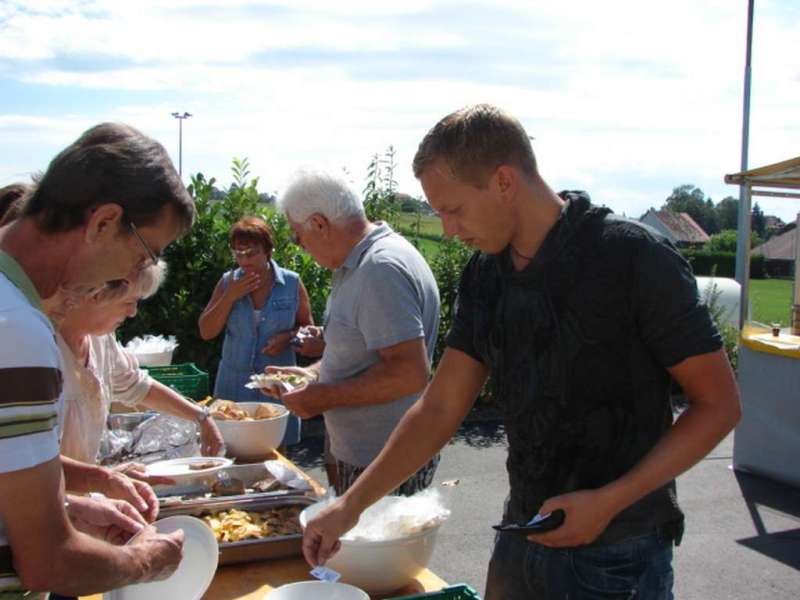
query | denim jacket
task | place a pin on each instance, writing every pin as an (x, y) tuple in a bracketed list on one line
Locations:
[(245, 336)]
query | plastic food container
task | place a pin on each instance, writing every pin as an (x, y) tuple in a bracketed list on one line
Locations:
[(380, 566)]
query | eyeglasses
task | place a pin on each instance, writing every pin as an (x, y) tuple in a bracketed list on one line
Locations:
[(294, 236), (151, 255), (245, 252)]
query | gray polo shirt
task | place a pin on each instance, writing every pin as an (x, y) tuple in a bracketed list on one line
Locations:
[(382, 295)]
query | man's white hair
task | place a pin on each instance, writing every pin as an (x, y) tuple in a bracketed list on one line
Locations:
[(312, 192)]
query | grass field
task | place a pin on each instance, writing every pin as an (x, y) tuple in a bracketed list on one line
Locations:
[(428, 248), (429, 225), (771, 300)]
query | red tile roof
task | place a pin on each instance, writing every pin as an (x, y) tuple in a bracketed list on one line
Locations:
[(682, 226)]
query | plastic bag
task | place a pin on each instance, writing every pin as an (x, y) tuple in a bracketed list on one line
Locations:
[(287, 476), (148, 437), (151, 344)]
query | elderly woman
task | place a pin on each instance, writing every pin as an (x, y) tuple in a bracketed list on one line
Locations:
[(97, 371), (261, 306)]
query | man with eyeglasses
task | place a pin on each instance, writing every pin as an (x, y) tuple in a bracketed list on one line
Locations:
[(151, 258), (105, 208), (381, 323)]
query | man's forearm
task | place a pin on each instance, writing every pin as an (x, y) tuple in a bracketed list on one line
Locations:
[(385, 381), (81, 477), (84, 565)]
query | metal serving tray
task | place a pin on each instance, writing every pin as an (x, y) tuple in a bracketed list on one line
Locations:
[(195, 493), (254, 549)]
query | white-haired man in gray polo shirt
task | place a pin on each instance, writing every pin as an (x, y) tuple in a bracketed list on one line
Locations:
[(381, 323)]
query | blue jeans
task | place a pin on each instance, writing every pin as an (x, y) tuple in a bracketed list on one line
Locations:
[(639, 568)]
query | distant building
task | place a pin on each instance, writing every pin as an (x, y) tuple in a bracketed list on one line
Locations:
[(779, 252), (679, 228), (773, 223)]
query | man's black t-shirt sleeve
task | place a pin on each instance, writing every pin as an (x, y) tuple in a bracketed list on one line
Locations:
[(673, 321), (462, 332)]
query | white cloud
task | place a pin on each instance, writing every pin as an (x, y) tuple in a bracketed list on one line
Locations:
[(625, 98)]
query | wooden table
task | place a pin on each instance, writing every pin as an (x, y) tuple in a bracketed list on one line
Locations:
[(252, 581)]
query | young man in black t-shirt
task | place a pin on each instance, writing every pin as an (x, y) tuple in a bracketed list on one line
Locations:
[(581, 319)]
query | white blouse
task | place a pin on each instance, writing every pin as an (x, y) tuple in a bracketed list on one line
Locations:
[(111, 375)]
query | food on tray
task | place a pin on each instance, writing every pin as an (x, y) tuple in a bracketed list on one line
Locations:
[(228, 410), (288, 381), (270, 484), (290, 378), (268, 411), (230, 486), (199, 466), (186, 469), (168, 501), (235, 525)]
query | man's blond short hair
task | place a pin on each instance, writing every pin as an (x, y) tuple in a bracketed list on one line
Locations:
[(473, 142)]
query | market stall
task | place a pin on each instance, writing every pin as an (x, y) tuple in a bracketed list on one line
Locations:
[(767, 440)]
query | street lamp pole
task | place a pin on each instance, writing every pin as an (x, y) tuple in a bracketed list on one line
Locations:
[(180, 117)]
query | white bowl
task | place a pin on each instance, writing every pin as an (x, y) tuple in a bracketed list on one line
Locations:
[(380, 566), (154, 359), (193, 575), (253, 439), (316, 590), (179, 470)]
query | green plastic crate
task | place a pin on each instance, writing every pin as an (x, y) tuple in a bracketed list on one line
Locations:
[(184, 378), (454, 592)]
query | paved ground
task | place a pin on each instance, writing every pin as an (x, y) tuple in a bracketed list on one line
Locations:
[(742, 539)]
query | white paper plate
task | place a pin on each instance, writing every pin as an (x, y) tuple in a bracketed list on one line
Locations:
[(180, 468), (192, 577)]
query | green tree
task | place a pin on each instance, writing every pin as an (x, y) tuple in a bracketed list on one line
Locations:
[(728, 213), (725, 241), (711, 218), (758, 222), (380, 190), (690, 199)]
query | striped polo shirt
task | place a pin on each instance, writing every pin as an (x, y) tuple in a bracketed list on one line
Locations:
[(30, 390)]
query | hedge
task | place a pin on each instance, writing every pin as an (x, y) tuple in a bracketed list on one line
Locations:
[(721, 264)]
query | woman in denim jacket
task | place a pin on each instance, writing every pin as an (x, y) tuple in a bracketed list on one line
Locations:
[(260, 305)]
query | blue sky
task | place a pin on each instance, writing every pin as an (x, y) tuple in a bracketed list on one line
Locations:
[(625, 99)]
